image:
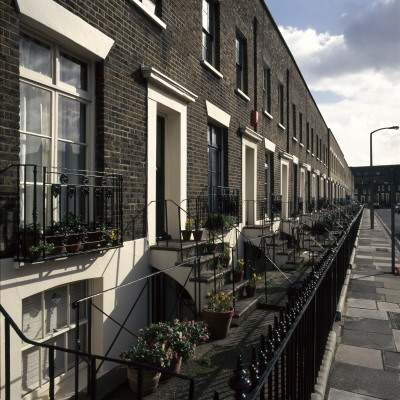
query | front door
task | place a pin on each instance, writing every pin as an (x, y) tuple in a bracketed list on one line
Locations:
[(160, 178)]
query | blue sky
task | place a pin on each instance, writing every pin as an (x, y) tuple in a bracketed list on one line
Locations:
[(349, 54)]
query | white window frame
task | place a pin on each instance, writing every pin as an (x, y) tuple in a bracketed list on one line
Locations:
[(69, 329), (57, 89)]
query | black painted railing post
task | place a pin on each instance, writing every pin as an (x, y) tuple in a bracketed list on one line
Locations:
[(89, 339), (216, 395), (75, 306), (92, 383), (51, 373), (254, 369), (7, 366), (238, 382)]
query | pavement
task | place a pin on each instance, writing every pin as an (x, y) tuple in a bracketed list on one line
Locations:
[(366, 359)]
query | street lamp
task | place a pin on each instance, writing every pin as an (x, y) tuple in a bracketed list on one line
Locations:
[(371, 184)]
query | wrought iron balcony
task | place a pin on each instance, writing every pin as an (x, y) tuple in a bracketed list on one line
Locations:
[(67, 212)]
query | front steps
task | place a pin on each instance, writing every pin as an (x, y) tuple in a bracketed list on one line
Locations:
[(201, 272)]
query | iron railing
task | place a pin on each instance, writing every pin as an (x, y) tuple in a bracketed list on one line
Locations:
[(66, 212), (91, 359), (287, 363)]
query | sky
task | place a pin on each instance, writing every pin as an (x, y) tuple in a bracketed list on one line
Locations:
[(348, 52)]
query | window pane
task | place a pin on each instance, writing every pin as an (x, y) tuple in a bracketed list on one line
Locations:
[(35, 55), (30, 370), (34, 150), (77, 292), (71, 343), (35, 109), (73, 72), (32, 317), (71, 119), (55, 309), (71, 156), (59, 358), (206, 16)]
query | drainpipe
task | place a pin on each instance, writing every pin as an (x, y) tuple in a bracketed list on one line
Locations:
[(255, 68), (287, 113)]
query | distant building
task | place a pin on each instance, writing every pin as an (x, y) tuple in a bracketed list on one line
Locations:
[(382, 184)]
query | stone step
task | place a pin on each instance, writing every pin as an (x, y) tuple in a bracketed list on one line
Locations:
[(244, 308)]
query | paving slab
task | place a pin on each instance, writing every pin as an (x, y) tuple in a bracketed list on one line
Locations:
[(356, 294), (336, 394), (388, 278), (362, 303), (362, 357), (368, 340), (396, 338), (363, 277), (369, 325), (361, 287), (362, 313), (392, 298), (394, 284), (374, 283), (393, 292), (366, 381), (383, 305), (391, 360)]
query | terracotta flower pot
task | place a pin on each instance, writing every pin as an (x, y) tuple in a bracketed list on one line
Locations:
[(250, 290), (224, 261), (93, 240), (186, 235), (218, 323), (175, 367), (197, 235), (59, 247), (237, 276), (211, 247), (150, 380), (74, 243)]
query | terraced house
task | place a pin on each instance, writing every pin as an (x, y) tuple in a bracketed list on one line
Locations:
[(122, 122)]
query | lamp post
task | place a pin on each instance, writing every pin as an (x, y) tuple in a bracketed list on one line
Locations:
[(371, 184)]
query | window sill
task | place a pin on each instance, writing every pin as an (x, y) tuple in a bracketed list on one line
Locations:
[(213, 70), (241, 94), (150, 14), (312, 154), (280, 126), (301, 144), (268, 115), (294, 139), (308, 151)]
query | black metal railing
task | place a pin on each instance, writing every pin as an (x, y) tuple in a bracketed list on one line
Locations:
[(91, 360), (287, 363), (64, 212)]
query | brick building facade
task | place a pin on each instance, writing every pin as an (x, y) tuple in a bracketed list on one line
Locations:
[(383, 183), (173, 100)]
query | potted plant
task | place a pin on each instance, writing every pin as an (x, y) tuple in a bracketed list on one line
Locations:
[(182, 337), (113, 236), (42, 247), (218, 314), (150, 354), (211, 245), (57, 234), (95, 236), (76, 232), (251, 286), (186, 233), (29, 236), (225, 257), (228, 221), (198, 230), (238, 271)]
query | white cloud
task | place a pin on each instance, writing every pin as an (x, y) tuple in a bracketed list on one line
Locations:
[(362, 68)]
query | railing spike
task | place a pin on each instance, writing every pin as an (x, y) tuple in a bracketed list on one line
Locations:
[(238, 382)]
